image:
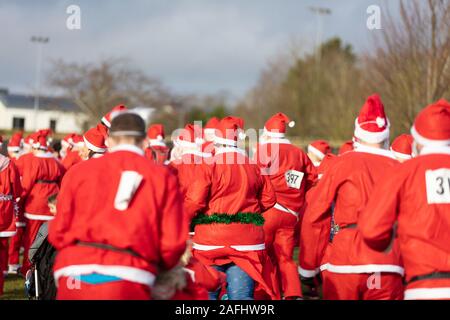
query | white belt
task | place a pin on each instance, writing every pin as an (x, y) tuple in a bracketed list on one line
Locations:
[(41, 217), (282, 208), (252, 247)]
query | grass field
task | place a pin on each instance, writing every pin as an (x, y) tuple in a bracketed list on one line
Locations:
[(14, 288)]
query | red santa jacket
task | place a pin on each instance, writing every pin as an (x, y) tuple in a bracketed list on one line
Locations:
[(41, 177), (185, 168), (20, 220), (290, 170), (71, 159), (90, 210), (158, 154), (348, 184), (10, 190), (417, 195), (227, 199)]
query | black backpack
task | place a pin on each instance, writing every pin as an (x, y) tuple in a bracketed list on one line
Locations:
[(42, 262)]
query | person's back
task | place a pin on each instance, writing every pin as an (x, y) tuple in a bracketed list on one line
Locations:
[(413, 205), (120, 217)]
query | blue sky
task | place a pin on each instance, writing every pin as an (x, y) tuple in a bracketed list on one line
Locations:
[(193, 46)]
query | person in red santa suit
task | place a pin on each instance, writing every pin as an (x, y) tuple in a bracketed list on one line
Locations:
[(94, 144), (402, 147), (156, 151), (351, 270), (10, 190), (112, 244), (411, 206), (292, 174), (209, 132), (73, 156), (16, 242), (317, 150), (66, 145), (227, 200), (346, 147), (41, 177), (191, 156)]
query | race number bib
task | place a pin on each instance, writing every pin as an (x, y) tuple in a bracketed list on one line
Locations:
[(438, 186), (294, 178)]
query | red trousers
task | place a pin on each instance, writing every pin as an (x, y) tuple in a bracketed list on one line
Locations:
[(362, 286), (279, 230), (3, 261), (71, 289), (14, 246), (31, 231)]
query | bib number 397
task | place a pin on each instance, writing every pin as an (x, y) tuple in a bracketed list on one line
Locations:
[(438, 186), (294, 178)]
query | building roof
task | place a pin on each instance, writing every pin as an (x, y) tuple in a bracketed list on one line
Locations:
[(22, 101)]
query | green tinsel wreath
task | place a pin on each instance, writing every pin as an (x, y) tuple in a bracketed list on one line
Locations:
[(240, 217)]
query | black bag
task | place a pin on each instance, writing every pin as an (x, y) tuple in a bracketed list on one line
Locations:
[(43, 261)]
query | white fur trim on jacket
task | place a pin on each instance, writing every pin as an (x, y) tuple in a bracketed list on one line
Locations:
[(427, 293), (252, 247), (307, 273), (363, 268), (41, 217), (124, 272)]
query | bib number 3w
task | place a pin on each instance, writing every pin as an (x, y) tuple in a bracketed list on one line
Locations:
[(438, 186), (294, 178)]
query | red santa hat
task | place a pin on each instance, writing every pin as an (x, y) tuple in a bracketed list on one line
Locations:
[(432, 125), (275, 127), (346, 147), (229, 130), (107, 118), (211, 125), (30, 139), (402, 146), (45, 132), (155, 135), (372, 125), (190, 137), (94, 140), (40, 142), (67, 141), (77, 140), (1, 140), (15, 143), (320, 148)]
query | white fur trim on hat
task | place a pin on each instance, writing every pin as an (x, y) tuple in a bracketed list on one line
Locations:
[(186, 144), (106, 122), (400, 155), (156, 143), (90, 146), (13, 149), (427, 142), (371, 137), (316, 152), (273, 134)]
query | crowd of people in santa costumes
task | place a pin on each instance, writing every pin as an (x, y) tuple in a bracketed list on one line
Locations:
[(136, 219)]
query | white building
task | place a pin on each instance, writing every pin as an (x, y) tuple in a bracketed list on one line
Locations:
[(17, 113)]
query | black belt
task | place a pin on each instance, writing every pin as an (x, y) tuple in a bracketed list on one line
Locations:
[(433, 275), (108, 247), (46, 181)]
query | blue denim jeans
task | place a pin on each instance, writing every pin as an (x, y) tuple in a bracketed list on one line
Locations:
[(240, 285)]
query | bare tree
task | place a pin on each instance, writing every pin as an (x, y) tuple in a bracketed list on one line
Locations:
[(409, 65), (96, 88)]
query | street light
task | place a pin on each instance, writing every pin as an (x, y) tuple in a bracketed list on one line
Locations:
[(40, 41), (319, 12)]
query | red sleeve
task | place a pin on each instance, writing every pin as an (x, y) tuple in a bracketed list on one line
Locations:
[(310, 172), (15, 181), (197, 193), (267, 198), (174, 228), (316, 223), (377, 219), (29, 174), (59, 226)]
